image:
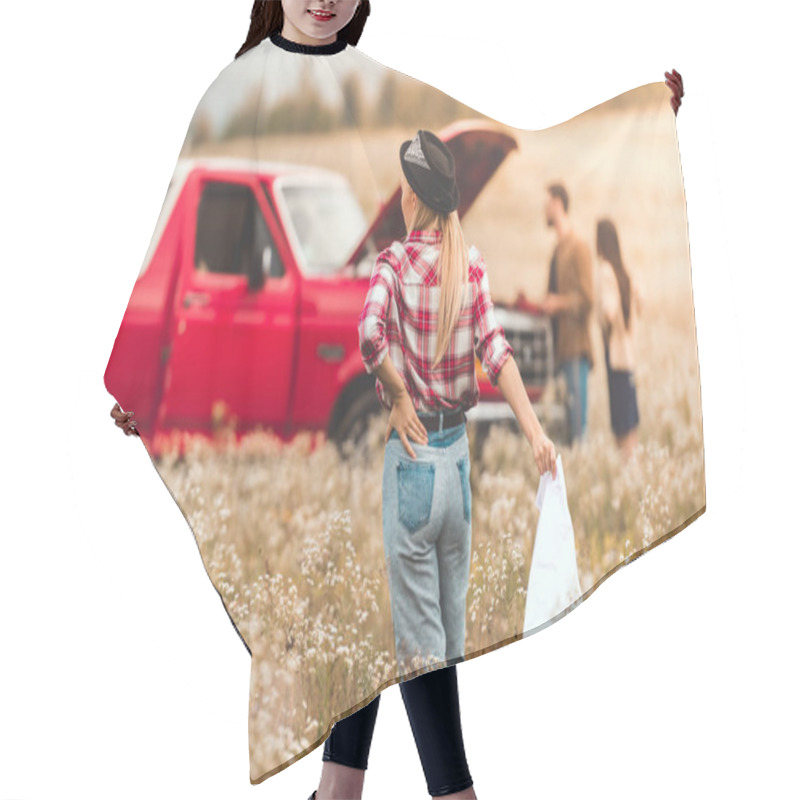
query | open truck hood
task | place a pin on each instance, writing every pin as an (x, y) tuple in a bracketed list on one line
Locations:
[(478, 146)]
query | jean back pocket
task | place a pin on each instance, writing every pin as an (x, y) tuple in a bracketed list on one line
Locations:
[(415, 493)]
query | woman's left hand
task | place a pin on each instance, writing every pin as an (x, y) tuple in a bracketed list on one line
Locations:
[(544, 451), (403, 418), (675, 82)]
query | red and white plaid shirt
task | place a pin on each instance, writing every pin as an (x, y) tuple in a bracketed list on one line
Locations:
[(400, 317)]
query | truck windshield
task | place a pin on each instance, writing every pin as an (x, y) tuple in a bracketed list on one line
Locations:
[(327, 222)]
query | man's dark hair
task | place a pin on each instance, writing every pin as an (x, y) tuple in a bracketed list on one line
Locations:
[(558, 190)]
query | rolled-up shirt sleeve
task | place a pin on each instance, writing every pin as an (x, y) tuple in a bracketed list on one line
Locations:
[(491, 345), (372, 322)]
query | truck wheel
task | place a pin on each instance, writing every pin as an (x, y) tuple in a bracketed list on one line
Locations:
[(352, 433)]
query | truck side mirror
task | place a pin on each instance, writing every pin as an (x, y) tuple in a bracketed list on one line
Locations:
[(258, 273)]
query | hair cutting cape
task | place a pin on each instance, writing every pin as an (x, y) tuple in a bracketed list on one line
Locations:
[(239, 354)]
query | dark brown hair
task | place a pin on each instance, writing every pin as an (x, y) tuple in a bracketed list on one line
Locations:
[(266, 18), (558, 190), (608, 248)]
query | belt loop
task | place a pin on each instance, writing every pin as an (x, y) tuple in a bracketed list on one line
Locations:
[(441, 421)]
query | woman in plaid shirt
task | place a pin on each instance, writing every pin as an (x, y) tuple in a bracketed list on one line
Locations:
[(427, 313)]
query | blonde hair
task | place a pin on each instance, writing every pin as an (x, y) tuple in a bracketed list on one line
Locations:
[(452, 269)]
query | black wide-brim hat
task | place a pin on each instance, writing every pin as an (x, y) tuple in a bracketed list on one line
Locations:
[(430, 170)]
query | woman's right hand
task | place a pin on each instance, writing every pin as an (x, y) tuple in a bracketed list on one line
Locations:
[(403, 418), (124, 420), (544, 451)]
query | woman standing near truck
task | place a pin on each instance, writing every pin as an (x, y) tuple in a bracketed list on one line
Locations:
[(427, 314)]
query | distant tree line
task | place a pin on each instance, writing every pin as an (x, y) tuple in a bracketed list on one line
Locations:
[(400, 101)]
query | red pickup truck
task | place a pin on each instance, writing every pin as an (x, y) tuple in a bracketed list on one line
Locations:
[(245, 311)]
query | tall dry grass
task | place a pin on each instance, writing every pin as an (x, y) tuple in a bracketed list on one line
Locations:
[(292, 538)]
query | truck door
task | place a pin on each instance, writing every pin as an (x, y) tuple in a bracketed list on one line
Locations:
[(232, 346)]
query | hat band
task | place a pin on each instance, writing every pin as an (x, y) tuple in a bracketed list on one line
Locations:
[(414, 154)]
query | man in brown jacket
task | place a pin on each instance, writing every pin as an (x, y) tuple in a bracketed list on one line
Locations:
[(569, 301)]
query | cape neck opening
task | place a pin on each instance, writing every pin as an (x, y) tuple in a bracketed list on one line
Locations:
[(310, 49)]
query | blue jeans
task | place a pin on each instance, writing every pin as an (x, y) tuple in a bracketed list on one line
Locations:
[(427, 537), (576, 373)]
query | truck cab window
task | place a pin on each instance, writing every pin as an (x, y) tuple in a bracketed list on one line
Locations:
[(232, 234), (326, 219)]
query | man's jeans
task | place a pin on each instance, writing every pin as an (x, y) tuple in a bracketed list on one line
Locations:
[(427, 537), (576, 373)]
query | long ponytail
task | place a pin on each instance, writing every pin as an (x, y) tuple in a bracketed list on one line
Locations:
[(452, 269)]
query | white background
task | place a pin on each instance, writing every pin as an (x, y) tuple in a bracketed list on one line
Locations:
[(120, 674)]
